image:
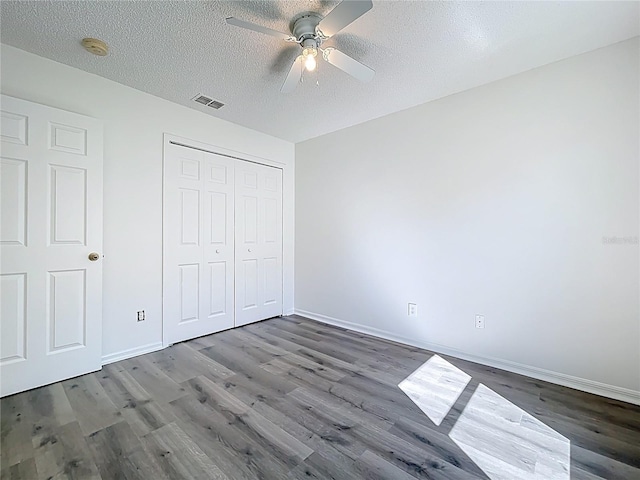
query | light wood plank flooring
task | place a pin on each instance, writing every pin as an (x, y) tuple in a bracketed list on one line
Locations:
[(290, 398)]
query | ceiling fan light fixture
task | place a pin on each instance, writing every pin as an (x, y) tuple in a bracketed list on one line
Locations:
[(309, 55), (310, 63), (309, 52)]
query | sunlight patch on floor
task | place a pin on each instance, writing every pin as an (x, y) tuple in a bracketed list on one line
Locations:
[(434, 387), (506, 442)]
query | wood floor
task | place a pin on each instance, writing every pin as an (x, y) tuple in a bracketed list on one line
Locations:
[(290, 398)]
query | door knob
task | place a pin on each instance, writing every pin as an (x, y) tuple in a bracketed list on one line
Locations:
[(249, 250), (93, 256), (217, 251)]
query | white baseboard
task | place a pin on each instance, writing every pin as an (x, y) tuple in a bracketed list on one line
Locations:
[(132, 352), (583, 384), (289, 312)]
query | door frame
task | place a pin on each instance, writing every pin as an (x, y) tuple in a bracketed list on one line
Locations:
[(171, 139)]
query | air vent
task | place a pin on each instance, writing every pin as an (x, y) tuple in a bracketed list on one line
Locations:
[(207, 101), (203, 100)]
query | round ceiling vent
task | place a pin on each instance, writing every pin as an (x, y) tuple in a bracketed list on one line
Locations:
[(95, 46)]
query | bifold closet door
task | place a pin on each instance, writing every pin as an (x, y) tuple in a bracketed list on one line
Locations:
[(198, 239), (258, 231)]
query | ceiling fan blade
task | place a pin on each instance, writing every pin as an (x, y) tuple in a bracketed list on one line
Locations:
[(342, 15), (347, 64), (293, 77), (259, 28)]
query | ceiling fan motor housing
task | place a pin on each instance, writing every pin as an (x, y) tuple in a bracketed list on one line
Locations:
[(304, 29)]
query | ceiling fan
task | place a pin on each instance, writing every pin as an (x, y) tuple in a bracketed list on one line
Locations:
[(309, 30)]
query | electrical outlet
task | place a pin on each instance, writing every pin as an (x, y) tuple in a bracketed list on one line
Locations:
[(479, 321), (412, 311), (141, 316)]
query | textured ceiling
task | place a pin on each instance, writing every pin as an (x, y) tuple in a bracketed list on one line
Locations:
[(420, 51)]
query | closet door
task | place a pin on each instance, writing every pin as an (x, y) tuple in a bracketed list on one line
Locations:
[(258, 231), (198, 243)]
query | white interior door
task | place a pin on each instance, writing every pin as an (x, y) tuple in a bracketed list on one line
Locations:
[(51, 220), (258, 242), (198, 243)]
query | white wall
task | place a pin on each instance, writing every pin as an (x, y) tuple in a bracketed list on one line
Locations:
[(134, 126), (493, 201)]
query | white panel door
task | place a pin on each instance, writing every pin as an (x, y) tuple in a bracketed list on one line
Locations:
[(51, 221), (198, 243), (258, 242)]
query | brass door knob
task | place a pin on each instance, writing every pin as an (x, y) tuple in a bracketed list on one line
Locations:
[(93, 256)]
